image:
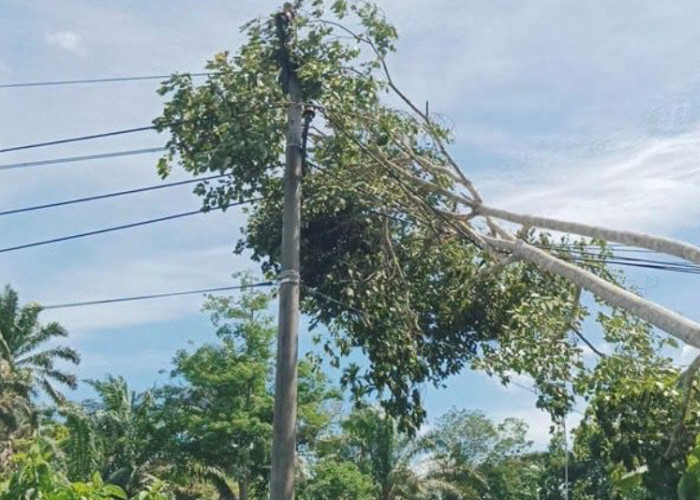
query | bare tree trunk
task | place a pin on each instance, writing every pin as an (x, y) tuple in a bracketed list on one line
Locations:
[(656, 243), (669, 321)]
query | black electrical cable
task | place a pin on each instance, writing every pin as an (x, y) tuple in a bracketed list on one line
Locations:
[(114, 228), (646, 265), (631, 261), (98, 80), (108, 195), (72, 159), (79, 138), (106, 134), (670, 263), (156, 296)]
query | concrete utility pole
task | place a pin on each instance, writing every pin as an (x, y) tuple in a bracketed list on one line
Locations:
[(285, 415)]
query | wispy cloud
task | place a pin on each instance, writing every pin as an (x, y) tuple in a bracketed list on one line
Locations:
[(67, 40), (645, 182)]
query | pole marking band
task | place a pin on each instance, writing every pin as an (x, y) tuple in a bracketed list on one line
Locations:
[(289, 276)]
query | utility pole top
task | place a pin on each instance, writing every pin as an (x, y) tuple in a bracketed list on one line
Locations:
[(288, 11), (287, 69)]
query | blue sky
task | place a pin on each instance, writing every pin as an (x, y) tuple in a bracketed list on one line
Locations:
[(585, 110)]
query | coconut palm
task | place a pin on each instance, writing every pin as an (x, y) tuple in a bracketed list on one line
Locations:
[(372, 442), (120, 434), (21, 340), (111, 434)]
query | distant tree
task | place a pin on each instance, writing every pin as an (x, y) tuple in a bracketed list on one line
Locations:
[(332, 479), (220, 411), (18, 418), (27, 368), (481, 459), (370, 440), (116, 434)]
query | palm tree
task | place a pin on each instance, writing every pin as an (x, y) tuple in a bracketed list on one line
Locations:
[(21, 337), (372, 441), (121, 435), (111, 434)]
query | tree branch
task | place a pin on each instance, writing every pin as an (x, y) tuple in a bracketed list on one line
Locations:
[(686, 330), (658, 244)]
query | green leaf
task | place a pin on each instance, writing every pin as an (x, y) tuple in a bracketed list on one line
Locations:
[(115, 491)]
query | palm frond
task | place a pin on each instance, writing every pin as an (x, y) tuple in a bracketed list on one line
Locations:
[(45, 359), (82, 450), (5, 351), (37, 335), (51, 391), (64, 378)]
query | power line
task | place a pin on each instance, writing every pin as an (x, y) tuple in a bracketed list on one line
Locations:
[(115, 132), (621, 260), (616, 247), (576, 253), (675, 266), (98, 231), (642, 263), (108, 195), (79, 138), (71, 159), (114, 228), (328, 298), (156, 296), (97, 80)]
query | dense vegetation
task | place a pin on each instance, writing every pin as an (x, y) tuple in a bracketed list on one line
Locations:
[(207, 435), (383, 276)]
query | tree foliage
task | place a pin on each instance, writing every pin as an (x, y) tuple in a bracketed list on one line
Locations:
[(337, 480), (21, 337), (34, 477), (482, 459), (221, 408), (117, 434), (27, 369), (383, 267)]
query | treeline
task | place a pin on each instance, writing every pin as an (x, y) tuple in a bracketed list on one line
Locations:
[(206, 434)]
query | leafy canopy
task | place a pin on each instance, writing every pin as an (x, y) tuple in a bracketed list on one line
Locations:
[(380, 267)]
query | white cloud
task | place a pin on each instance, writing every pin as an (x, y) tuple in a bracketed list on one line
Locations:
[(68, 41), (645, 183), (559, 110)]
